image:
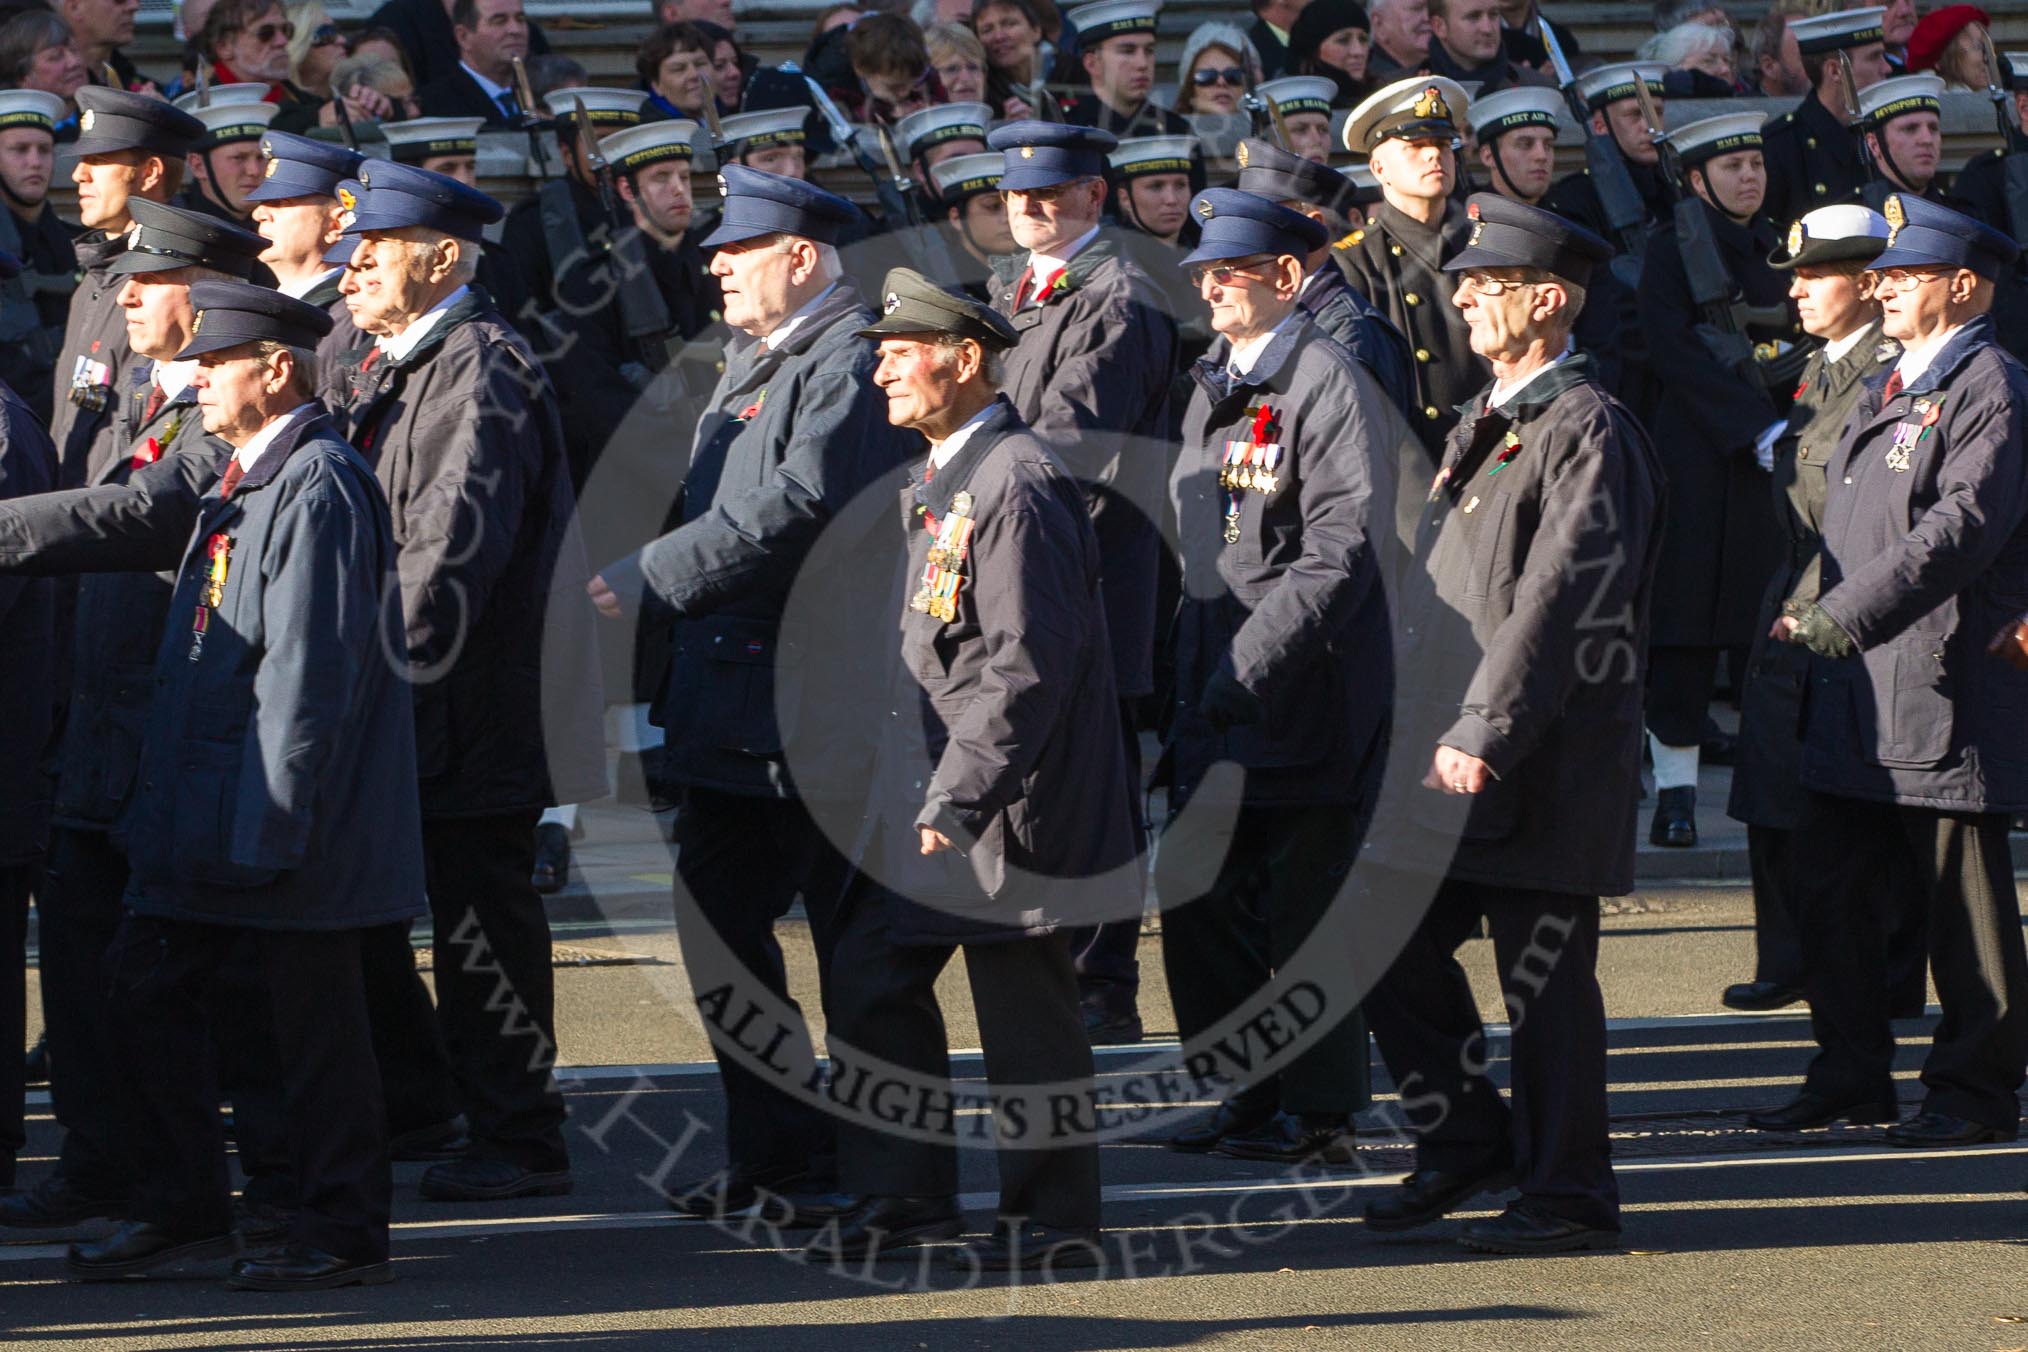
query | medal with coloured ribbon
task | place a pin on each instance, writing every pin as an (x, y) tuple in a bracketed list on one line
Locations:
[(1249, 465), (943, 571), (1910, 432), (218, 558)]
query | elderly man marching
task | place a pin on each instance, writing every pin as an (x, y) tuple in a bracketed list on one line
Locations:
[(1915, 754), (1524, 621)]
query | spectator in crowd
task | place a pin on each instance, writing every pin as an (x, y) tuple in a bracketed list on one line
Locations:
[(1952, 42), (1017, 57), (384, 44), (1465, 44), (929, 13), (1702, 51), (1669, 13), (1273, 22), (694, 11), (36, 52), (1334, 39), (1522, 22), (1401, 36), (428, 37), (835, 16), (1219, 65), (959, 60), (371, 80), (101, 28), (729, 66), (675, 68), (893, 66), (315, 50), (1777, 62), (247, 41), (489, 34), (1897, 29)]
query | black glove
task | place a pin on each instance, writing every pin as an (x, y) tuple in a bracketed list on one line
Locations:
[(1226, 704), (1817, 631)]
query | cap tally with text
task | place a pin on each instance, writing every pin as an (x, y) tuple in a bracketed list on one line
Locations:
[(1510, 234), (1709, 137), (1299, 94), (932, 126), (1418, 108), (401, 195), (165, 238), (1139, 156), (229, 113), (300, 166), (1921, 234), (1840, 31), (607, 107), (1881, 103), (1267, 170), (1112, 19), (425, 138), (1235, 224), (1044, 154), (912, 303), (29, 108), (232, 313), (112, 120), (1508, 110), (768, 127), (758, 204), (632, 149), (966, 176), (1603, 85), (1837, 234)]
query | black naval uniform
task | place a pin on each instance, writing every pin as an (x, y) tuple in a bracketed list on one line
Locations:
[(91, 369), (1812, 158), (35, 307), (1575, 198), (1916, 746), (1980, 190), (1523, 620), (1361, 329), (1150, 119)]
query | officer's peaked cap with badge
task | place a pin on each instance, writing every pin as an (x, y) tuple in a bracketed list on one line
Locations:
[(1112, 19), (1602, 86), (1921, 234), (1709, 137), (1299, 93), (1882, 102), (607, 107), (421, 138), (765, 128), (759, 204), (1046, 154), (1510, 234), (632, 149), (165, 238), (1422, 107), (232, 313), (1846, 233), (1267, 170), (348, 192), (301, 166), (113, 120), (962, 177), (397, 196), (29, 108), (1235, 224), (914, 304), (1512, 109), (1140, 156), (941, 122), (1845, 29)]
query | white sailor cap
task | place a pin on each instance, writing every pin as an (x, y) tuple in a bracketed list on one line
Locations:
[(1904, 94), (963, 176), (1299, 93), (1511, 109), (29, 108), (607, 107), (1602, 85), (422, 138), (632, 149), (1709, 137), (1847, 28), (1111, 19), (227, 122), (942, 122), (768, 127)]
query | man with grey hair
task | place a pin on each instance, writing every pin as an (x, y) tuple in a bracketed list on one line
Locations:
[(462, 429), (1401, 37)]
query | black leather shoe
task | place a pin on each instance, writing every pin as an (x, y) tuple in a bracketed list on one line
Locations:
[(136, 1247), (1941, 1129), (261, 1225), (809, 1210), (1675, 824), (1754, 996), (1431, 1194), (437, 1141), (53, 1204), (1109, 1026), (470, 1179), (1809, 1111), (1523, 1228), (880, 1226), (1228, 1118), (552, 857), (296, 1267), (731, 1191), (1030, 1248), (1718, 747), (1290, 1138), (35, 1067)]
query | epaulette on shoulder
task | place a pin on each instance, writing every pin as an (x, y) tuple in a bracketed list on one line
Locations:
[(1351, 241)]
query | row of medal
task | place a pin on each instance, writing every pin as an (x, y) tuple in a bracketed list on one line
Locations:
[(1908, 433), (1249, 465), (942, 575), (219, 550)]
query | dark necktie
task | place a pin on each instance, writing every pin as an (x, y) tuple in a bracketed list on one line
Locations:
[(508, 107), (1021, 287), (233, 474), (156, 398)]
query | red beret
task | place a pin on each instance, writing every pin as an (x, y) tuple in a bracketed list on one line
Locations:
[(1936, 31)]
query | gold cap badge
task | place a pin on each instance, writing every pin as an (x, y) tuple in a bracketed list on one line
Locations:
[(1204, 208), (346, 199), (1795, 238), (1028, 152), (1432, 104), (197, 324), (1896, 218), (1240, 154), (91, 115), (269, 172)]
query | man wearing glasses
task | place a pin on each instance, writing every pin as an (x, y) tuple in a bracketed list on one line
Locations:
[(1915, 754), (1284, 498)]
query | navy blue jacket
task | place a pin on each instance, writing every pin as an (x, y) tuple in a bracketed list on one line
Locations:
[(28, 640)]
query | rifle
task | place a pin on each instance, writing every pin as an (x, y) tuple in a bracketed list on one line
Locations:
[(1849, 86), (710, 109), (110, 76), (530, 119), (345, 123), (1257, 103), (1625, 213), (643, 314)]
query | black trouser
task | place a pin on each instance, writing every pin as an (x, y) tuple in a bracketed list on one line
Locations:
[(1108, 969), (1961, 860), (744, 861), (1431, 1036), (1681, 683), (17, 882), (159, 974), (77, 912), (883, 1005), (1777, 919), (496, 992), (408, 1043), (1284, 870)]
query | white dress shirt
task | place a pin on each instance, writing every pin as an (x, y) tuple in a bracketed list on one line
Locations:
[(941, 453), (781, 332), (259, 442), (399, 345)]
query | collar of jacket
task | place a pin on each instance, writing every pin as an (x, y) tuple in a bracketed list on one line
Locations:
[(936, 495), (844, 301), (1537, 395), (1963, 346), (96, 249), (317, 424), (1328, 281), (1427, 243), (470, 306), (1209, 369), (1075, 272), (1860, 359)]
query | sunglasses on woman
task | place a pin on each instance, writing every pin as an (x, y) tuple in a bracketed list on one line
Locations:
[(325, 34), (1231, 75)]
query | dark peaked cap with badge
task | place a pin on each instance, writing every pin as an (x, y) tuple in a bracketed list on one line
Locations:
[(1840, 234), (1045, 154), (1510, 234), (1922, 234), (759, 204), (397, 196), (300, 167), (1266, 170), (112, 120), (915, 304), (232, 313), (165, 238), (1239, 224)]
